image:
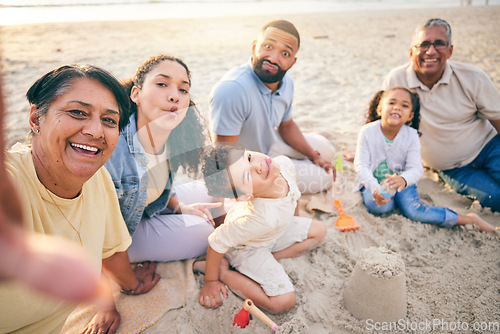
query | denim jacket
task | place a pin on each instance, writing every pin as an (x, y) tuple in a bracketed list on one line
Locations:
[(128, 168)]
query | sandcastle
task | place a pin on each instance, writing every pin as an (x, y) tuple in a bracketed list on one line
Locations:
[(377, 287)]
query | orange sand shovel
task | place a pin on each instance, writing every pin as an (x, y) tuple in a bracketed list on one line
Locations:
[(344, 222)]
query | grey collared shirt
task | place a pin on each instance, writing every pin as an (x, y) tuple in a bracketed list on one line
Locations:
[(241, 105), (454, 114)]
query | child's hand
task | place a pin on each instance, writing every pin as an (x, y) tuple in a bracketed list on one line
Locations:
[(396, 182), (379, 198), (210, 295), (200, 209)]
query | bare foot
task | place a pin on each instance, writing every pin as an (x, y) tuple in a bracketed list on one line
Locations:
[(483, 225), (200, 266), (224, 265)]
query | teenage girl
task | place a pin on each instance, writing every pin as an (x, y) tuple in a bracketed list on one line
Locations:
[(165, 133)]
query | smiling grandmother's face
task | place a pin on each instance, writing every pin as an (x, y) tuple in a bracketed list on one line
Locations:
[(80, 130)]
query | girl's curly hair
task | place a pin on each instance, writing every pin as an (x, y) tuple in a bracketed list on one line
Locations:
[(372, 115)]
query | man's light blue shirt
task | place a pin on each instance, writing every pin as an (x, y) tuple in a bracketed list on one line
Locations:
[(241, 105)]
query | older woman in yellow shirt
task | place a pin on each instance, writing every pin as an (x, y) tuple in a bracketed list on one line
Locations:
[(76, 114)]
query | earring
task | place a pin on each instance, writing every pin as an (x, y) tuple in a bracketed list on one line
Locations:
[(37, 130)]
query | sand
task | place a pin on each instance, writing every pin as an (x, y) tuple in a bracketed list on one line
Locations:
[(452, 276), (377, 287)]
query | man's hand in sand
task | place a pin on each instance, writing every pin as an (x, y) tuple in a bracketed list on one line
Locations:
[(325, 164), (210, 295)]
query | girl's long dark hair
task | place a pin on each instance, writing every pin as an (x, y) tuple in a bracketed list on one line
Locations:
[(372, 115)]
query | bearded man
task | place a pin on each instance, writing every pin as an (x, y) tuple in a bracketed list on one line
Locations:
[(252, 106)]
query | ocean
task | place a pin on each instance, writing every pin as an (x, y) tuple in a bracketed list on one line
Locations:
[(14, 12)]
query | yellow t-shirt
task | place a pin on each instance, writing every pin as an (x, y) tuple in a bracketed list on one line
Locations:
[(95, 213)]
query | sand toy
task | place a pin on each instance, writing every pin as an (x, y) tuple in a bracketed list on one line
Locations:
[(376, 289), (338, 163), (242, 318), (344, 222)]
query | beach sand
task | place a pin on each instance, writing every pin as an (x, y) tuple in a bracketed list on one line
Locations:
[(451, 275)]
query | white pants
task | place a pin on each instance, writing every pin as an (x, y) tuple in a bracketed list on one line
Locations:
[(311, 179), (260, 265)]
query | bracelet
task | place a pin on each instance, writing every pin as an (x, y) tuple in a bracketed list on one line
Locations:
[(314, 155), (133, 291)]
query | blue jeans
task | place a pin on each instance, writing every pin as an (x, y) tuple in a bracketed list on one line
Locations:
[(410, 206), (481, 178)]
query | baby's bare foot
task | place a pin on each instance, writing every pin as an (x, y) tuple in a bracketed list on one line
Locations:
[(224, 264), (223, 268), (200, 265)]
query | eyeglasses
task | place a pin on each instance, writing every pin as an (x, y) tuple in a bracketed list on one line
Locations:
[(438, 45)]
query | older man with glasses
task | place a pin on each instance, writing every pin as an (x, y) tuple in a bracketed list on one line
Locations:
[(460, 114)]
